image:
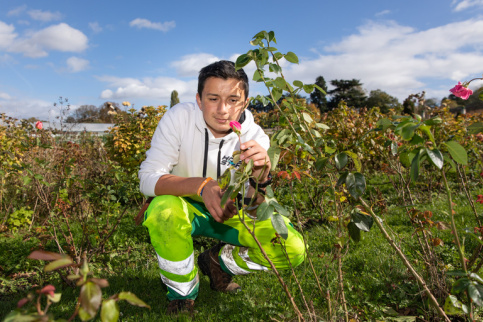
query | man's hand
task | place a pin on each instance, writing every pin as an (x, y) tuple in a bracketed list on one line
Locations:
[(261, 161), (212, 195)]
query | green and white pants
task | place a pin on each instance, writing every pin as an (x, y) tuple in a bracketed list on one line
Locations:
[(173, 221)]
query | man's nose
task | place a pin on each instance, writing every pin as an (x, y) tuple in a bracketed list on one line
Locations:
[(223, 107)]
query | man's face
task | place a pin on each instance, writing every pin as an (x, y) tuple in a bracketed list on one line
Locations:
[(221, 102)]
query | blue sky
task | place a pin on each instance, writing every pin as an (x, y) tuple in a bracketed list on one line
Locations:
[(139, 51)]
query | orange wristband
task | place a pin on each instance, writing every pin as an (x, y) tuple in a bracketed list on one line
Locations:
[(200, 189)]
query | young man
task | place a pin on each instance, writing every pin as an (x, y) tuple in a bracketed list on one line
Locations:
[(191, 147)]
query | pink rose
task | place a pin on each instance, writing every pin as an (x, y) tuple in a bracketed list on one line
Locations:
[(461, 91), (235, 126), (39, 125)]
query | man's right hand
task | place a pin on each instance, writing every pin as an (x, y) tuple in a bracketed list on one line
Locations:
[(212, 195)]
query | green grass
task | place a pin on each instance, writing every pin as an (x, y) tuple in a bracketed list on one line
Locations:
[(374, 277)]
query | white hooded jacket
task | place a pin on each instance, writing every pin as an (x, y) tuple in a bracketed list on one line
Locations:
[(183, 145)]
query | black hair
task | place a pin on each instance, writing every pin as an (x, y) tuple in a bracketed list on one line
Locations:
[(222, 69)]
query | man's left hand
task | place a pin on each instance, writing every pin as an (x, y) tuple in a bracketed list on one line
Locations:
[(261, 161)]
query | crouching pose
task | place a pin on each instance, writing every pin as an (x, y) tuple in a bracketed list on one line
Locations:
[(192, 146)]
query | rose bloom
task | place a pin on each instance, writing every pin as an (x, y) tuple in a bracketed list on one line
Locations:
[(479, 199), (39, 125), (461, 91), (235, 126)]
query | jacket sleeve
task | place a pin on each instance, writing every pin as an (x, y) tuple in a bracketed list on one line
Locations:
[(163, 154)]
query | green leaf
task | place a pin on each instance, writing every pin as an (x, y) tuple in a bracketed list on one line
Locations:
[(342, 178), (427, 130), (264, 211), (355, 159), (475, 128), (307, 118), (356, 184), (55, 298), (26, 180), (226, 195), (291, 57), (453, 306), (460, 285), (456, 273), (321, 163), (280, 83), (457, 152), (474, 294), (436, 157), (297, 83), (277, 93), (308, 88), (476, 277), (242, 61), (329, 150), (274, 68), (394, 148), (225, 179), (109, 311), (433, 121), (281, 210), (90, 298), (407, 131), (257, 76), (341, 160), (416, 140), (279, 225), (320, 89), (414, 174), (84, 315), (354, 232), (269, 192), (322, 126), (67, 261), (274, 155), (277, 56), (363, 222), (132, 299), (384, 124)]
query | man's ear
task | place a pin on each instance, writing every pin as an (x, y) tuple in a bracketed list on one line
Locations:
[(198, 100)]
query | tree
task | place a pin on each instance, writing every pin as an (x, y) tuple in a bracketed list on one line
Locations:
[(382, 100), (107, 111), (349, 91), (319, 98), (174, 98), (84, 114)]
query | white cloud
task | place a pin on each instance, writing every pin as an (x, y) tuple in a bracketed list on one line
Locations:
[(17, 11), (144, 23), (59, 37), (5, 96), (7, 35), (190, 65), (95, 27), (399, 59), (465, 4), (158, 88), (76, 64), (44, 16), (27, 107), (382, 13)]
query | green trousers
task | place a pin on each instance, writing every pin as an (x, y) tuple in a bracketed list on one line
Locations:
[(173, 221)]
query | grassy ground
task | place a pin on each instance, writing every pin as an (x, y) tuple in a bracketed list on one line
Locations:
[(377, 284)]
